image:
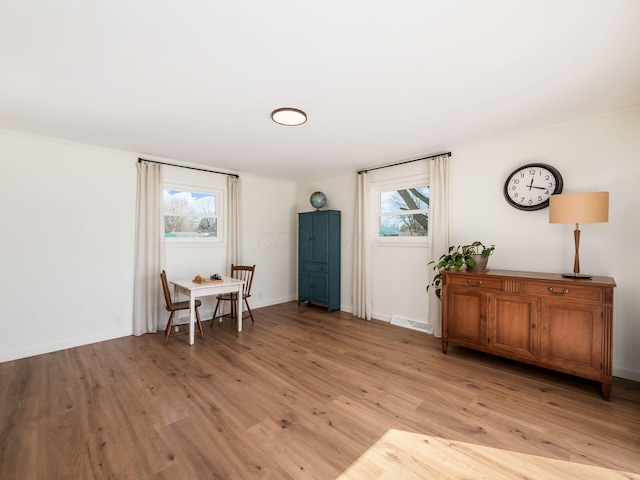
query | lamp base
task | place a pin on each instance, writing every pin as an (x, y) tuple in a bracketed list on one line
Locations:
[(579, 276)]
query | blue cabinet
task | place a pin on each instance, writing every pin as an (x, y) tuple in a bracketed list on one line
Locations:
[(319, 258)]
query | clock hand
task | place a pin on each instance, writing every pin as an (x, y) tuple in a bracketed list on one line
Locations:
[(531, 184), (539, 188)]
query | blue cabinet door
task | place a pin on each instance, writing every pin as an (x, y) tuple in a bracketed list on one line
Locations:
[(320, 238), (305, 238), (321, 288), (305, 289)]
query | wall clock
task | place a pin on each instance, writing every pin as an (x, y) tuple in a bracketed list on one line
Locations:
[(529, 187)]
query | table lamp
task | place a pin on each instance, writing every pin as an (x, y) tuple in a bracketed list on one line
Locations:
[(591, 207)]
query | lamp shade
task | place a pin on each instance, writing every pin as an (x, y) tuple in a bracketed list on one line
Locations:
[(591, 207)]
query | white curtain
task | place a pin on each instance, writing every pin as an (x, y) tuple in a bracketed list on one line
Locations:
[(148, 299), (362, 249), (234, 245), (439, 231)]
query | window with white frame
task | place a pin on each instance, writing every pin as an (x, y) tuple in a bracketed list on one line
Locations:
[(192, 213), (403, 212)]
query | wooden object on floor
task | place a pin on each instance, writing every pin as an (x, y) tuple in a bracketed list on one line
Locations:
[(300, 394), (539, 318), (244, 273), (174, 307)]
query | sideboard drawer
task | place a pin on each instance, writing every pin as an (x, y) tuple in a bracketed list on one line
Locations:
[(563, 291), (478, 282)]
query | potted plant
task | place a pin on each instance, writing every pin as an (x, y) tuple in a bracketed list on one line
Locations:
[(472, 257), (453, 259), (477, 255)]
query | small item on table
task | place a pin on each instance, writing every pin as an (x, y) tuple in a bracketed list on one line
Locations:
[(215, 278)]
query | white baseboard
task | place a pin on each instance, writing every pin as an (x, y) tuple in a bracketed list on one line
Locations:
[(380, 316), (255, 303), (626, 373), (69, 343)]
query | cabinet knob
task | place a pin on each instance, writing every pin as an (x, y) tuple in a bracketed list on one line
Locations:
[(533, 325), (563, 292)]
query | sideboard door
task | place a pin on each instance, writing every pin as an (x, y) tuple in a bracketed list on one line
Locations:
[(513, 326), (571, 339), (466, 322)]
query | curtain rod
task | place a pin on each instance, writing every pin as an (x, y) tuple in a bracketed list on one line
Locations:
[(190, 168), (448, 154)]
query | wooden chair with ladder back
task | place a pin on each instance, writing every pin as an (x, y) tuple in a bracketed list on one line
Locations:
[(241, 272), (173, 307)]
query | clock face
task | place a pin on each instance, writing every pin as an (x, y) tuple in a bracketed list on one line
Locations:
[(530, 186)]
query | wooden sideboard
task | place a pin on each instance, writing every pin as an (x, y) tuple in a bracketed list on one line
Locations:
[(544, 319)]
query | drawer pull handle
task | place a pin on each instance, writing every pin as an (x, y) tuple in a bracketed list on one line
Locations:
[(474, 284), (563, 292)]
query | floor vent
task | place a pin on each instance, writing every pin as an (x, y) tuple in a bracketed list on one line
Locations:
[(412, 324)]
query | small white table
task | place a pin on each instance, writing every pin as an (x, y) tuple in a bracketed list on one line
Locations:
[(194, 290)]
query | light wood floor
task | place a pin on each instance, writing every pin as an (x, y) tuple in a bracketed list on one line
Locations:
[(298, 395)]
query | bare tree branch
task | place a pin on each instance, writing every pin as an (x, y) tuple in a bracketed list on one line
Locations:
[(411, 204)]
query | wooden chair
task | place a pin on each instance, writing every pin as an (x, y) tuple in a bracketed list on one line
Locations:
[(241, 272), (173, 308)]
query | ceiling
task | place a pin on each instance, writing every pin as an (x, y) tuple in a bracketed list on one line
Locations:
[(195, 81)]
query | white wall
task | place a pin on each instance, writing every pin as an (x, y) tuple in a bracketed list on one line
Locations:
[(68, 214), (599, 153), (66, 260), (270, 239)]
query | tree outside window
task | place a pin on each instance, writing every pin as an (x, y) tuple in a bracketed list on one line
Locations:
[(404, 212), (190, 214)]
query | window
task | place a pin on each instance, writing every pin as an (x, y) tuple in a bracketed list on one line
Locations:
[(404, 212), (191, 215)]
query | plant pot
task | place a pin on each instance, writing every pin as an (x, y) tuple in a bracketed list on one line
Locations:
[(481, 262)]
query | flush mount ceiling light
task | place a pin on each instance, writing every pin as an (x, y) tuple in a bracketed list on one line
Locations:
[(289, 116)]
